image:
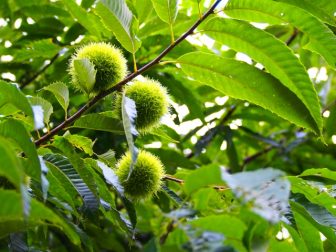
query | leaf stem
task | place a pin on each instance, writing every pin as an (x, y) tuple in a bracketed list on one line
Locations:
[(167, 62), (130, 77), (134, 62), (199, 10), (172, 34)]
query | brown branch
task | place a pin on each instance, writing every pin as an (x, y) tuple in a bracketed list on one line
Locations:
[(292, 37), (181, 182), (253, 157), (168, 177), (214, 131), (130, 77), (170, 228), (38, 73)]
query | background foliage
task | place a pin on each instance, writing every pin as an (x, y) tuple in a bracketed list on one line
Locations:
[(248, 145)]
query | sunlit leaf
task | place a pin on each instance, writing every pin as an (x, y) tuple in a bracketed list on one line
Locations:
[(46, 108), (239, 80), (266, 190), (166, 10), (9, 93), (86, 74), (15, 131), (278, 59), (129, 115), (321, 37), (61, 93), (100, 122), (118, 18)]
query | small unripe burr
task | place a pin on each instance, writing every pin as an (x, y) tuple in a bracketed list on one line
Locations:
[(145, 179), (108, 61)]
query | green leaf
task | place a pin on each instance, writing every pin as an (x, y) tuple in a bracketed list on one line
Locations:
[(328, 6), (166, 10), (265, 189), (314, 192), (57, 188), (321, 37), (87, 20), (144, 9), (319, 217), (11, 210), (160, 132), (240, 80), (172, 195), (103, 189), (130, 211), (299, 243), (156, 26), (319, 173), (204, 176), (76, 161), (232, 227), (61, 93), (108, 157), (53, 164), (316, 10), (309, 233), (112, 179), (117, 17), (10, 165), (45, 49), (278, 59), (129, 114), (9, 93), (62, 163), (276, 245), (44, 181), (100, 122), (46, 106), (81, 142), (39, 11), (86, 74), (15, 131)]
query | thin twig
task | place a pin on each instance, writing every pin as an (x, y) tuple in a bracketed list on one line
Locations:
[(170, 228), (168, 177), (292, 37), (181, 182), (130, 77), (253, 157), (215, 130), (38, 73)]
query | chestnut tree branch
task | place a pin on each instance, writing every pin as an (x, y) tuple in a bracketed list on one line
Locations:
[(41, 71), (210, 134), (130, 77)]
